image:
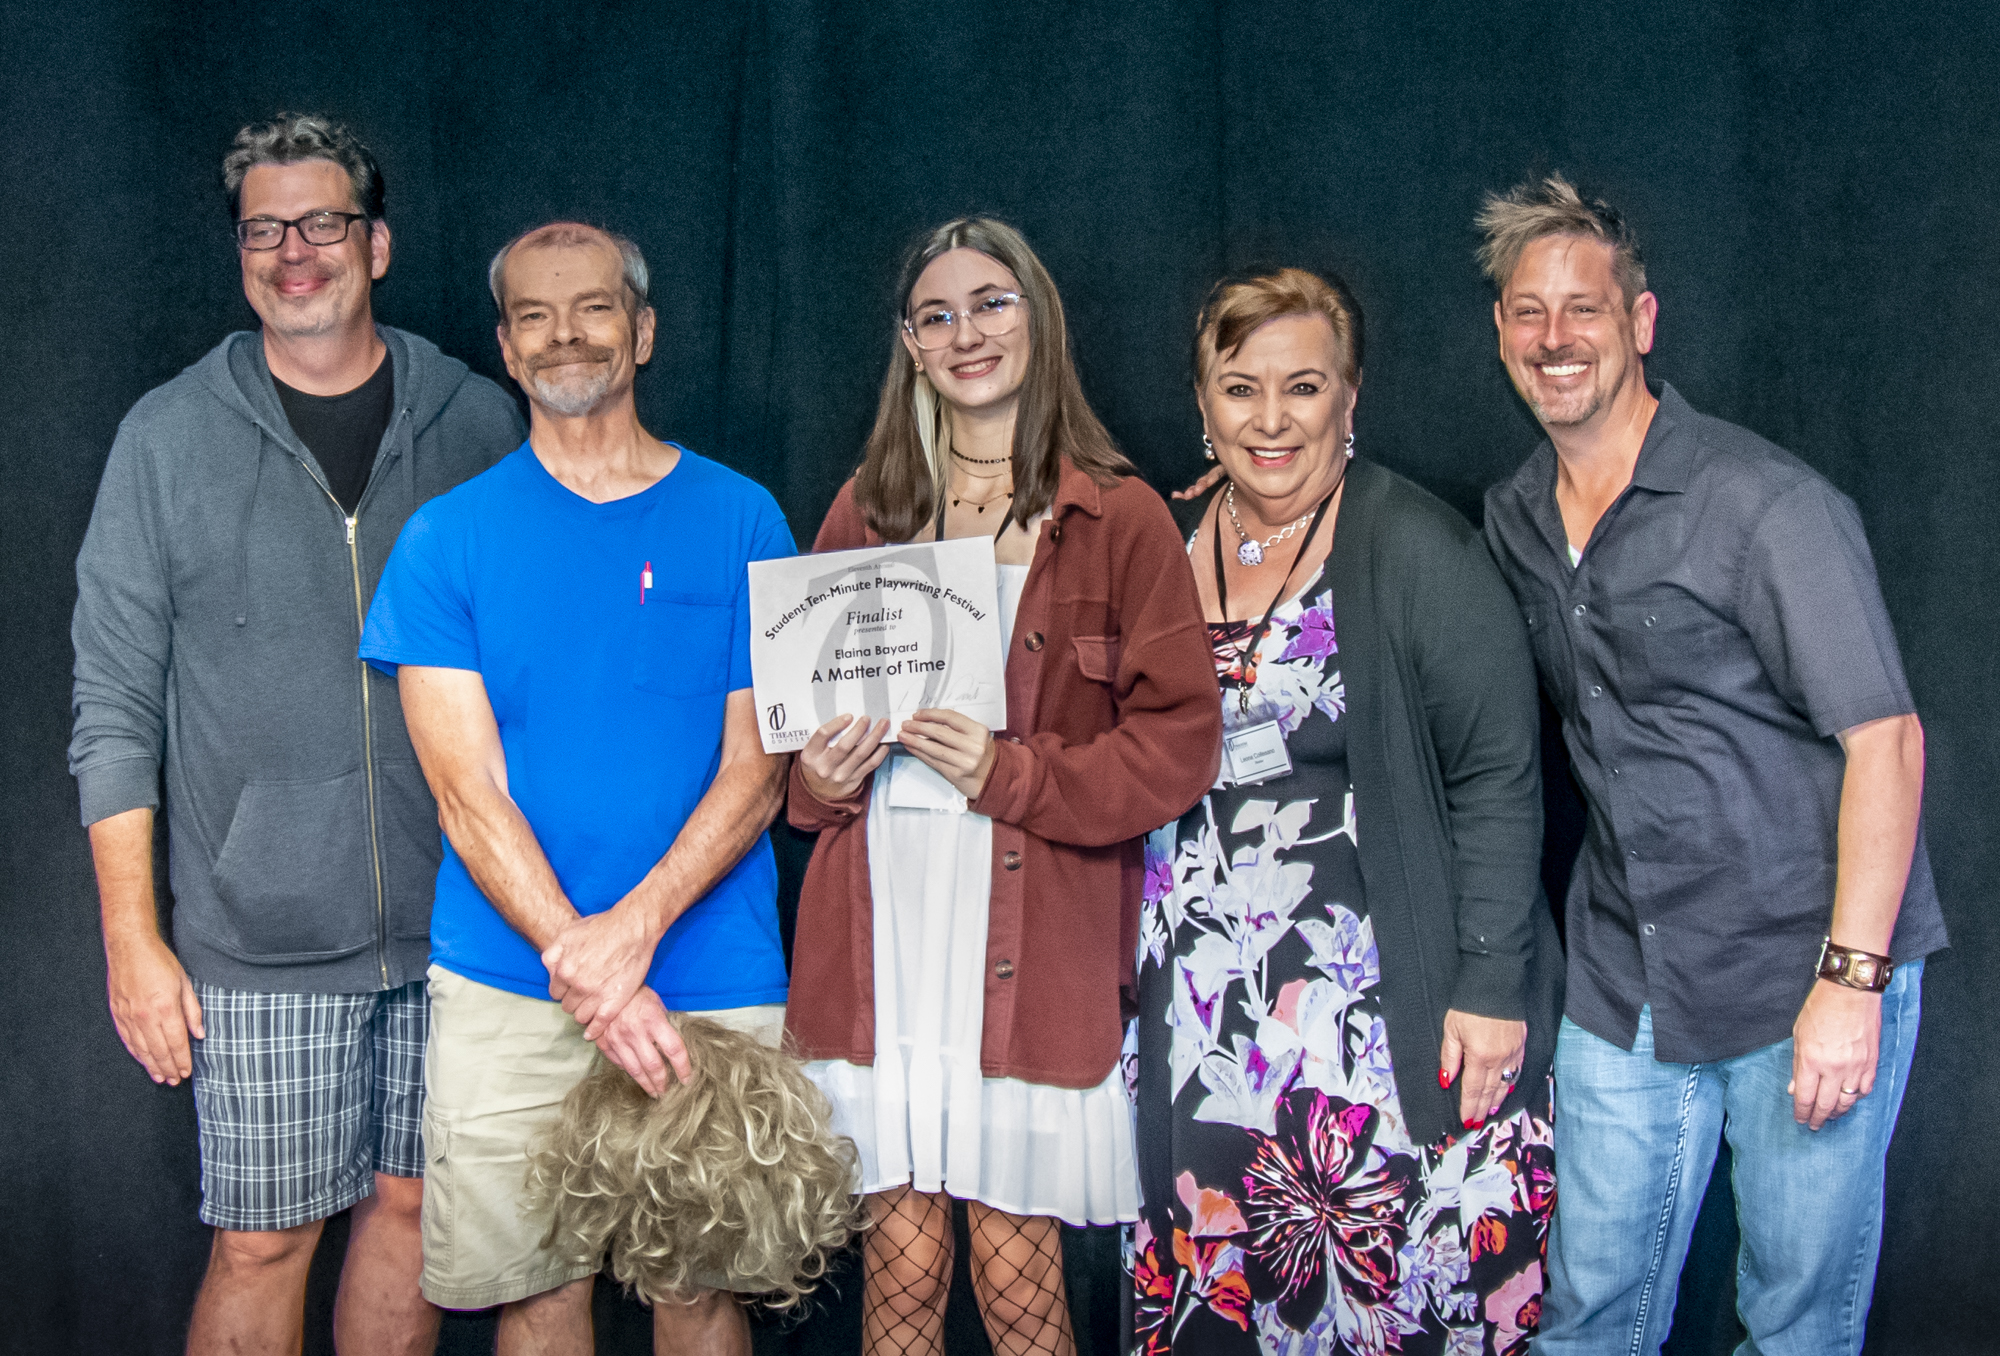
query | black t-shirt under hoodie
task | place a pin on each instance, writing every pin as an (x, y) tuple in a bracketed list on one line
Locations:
[(344, 432)]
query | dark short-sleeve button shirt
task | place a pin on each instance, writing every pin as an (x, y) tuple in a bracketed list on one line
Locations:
[(1723, 626)]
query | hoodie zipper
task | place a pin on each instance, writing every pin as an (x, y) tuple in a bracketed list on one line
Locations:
[(368, 756), (367, 711)]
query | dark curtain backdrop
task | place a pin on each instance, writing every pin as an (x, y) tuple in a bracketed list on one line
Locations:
[(1816, 186)]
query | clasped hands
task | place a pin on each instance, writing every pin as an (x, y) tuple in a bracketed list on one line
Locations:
[(842, 752), (597, 969)]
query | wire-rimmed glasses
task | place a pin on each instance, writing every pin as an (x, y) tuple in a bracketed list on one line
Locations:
[(315, 228), (934, 327)]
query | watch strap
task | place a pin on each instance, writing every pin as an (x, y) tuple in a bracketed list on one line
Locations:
[(1854, 969)]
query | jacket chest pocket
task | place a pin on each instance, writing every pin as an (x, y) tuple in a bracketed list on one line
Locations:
[(684, 644), (1097, 657), (1667, 645)]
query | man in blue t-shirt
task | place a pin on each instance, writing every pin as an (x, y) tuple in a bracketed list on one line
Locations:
[(570, 634)]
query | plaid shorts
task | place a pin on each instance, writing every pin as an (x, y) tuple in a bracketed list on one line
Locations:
[(303, 1097)]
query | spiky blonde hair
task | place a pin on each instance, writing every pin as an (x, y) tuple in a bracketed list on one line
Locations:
[(1513, 220), (732, 1174)]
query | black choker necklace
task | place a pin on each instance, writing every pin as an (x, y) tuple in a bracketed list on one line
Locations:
[(980, 461)]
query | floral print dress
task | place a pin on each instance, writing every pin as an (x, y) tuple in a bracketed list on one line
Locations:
[(1285, 1207)]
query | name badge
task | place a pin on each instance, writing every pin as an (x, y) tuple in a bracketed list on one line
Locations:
[(1256, 753)]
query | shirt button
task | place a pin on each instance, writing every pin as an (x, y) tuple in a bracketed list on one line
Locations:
[(1013, 739), (1034, 641), (1617, 772), (1003, 969), (1633, 854), (1055, 532), (1651, 620), (1011, 860), (1596, 691), (1647, 930), (1578, 609)]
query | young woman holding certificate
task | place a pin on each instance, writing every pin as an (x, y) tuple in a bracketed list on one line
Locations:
[(964, 956)]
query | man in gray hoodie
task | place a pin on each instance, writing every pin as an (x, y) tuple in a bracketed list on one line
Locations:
[(243, 520)]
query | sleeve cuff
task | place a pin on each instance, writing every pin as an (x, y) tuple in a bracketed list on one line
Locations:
[(1004, 795), (113, 788), (808, 813), (1835, 721), (389, 661), (1491, 986)]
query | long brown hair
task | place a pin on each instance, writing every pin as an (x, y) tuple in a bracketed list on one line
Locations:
[(899, 483)]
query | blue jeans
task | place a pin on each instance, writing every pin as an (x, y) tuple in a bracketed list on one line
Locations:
[(1635, 1141)]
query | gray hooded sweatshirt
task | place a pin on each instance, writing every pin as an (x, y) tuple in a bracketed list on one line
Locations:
[(220, 594)]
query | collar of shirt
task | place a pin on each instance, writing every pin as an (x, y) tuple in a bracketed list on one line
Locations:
[(1666, 463), (1075, 487)]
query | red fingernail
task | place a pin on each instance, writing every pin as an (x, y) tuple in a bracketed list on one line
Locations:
[(1474, 1125), (1444, 1079)]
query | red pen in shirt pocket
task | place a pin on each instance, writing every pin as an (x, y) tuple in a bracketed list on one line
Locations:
[(645, 582)]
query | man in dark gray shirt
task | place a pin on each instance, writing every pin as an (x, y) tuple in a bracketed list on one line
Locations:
[(1706, 618)]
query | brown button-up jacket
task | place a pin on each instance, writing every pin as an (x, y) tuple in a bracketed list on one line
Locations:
[(1114, 728)]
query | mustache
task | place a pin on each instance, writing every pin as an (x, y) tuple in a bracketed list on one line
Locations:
[(565, 354), (279, 274), (1568, 353)]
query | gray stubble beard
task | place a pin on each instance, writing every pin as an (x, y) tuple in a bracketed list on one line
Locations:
[(572, 399), (1590, 410)]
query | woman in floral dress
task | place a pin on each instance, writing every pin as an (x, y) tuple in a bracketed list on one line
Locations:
[(1349, 981)]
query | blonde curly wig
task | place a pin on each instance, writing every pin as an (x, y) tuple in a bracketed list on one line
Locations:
[(732, 1174)]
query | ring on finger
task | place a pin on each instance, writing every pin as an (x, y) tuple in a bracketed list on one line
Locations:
[(1850, 1092), (1509, 1075)]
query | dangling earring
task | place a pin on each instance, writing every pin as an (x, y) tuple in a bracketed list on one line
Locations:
[(1350, 445), (1208, 448)]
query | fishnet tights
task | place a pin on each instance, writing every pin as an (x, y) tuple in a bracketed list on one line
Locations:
[(906, 1260), (1017, 1278)]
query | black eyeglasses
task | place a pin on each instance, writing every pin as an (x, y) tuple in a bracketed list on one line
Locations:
[(320, 228)]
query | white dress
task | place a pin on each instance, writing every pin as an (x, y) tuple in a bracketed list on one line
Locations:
[(923, 1114)]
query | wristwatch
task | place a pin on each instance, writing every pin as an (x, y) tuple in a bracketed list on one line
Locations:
[(1856, 969)]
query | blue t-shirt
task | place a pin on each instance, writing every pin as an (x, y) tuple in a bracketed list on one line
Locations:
[(609, 697)]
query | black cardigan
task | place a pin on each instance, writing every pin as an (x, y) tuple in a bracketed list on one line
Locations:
[(1443, 747)]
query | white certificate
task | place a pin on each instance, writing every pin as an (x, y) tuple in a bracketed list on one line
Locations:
[(882, 631)]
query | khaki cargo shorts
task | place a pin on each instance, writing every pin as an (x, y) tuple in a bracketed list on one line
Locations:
[(497, 1069)]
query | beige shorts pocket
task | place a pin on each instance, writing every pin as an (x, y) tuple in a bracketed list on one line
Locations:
[(438, 1194)]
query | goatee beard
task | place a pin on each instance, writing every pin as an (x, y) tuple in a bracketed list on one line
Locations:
[(315, 313), (576, 396), (1564, 419), (1585, 403)]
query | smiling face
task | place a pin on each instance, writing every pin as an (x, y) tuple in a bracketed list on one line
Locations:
[(1278, 414), (300, 290), (569, 337), (1569, 341), (973, 371)]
